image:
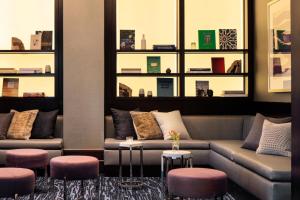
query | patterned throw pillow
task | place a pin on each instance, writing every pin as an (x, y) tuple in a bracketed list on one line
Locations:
[(275, 139), (146, 126), (21, 124)]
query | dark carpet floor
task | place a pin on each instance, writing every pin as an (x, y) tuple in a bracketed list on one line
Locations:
[(110, 191)]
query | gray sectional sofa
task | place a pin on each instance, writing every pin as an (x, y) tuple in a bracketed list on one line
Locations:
[(53, 146), (217, 142)]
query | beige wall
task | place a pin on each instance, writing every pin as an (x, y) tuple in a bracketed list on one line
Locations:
[(261, 61), (83, 74)]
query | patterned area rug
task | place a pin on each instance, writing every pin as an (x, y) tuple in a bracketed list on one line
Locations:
[(151, 190)]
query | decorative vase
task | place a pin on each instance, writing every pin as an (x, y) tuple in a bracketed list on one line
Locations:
[(175, 145)]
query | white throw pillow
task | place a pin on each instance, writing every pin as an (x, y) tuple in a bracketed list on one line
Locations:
[(171, 121), (275, 139)]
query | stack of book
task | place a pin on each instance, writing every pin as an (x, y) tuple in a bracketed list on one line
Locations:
[(131, 70), (33, 94), (164, 47), (8, 71), (234, 93), (30, 70), (199, 70)]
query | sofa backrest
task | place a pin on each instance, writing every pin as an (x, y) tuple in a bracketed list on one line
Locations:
[(59, 127), (205, 127)]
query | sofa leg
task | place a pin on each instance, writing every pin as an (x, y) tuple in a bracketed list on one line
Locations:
[(82, 188)]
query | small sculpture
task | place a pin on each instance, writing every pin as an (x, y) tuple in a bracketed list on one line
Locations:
[(168, 71), (141, 93), (48, 69), (149, 94), (17, 44), (210, 93), (236, 67)]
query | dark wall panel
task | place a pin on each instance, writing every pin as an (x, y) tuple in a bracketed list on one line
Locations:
[(296, 99)]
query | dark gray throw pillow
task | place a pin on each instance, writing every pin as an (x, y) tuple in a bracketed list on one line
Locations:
[(123, 124), (253, 138), (44, 125), (5, 119)]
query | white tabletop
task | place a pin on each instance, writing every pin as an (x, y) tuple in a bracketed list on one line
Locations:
[(176, 154), (130, 144)]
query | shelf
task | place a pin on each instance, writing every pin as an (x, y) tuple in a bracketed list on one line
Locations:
[(282, 52), (147, 74), (147, 51), (217, 74), (187, 98), (27, 75), (215, 51), (26, 52)]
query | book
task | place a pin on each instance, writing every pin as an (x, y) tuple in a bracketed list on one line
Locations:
[(234, 92), (10, 87), (8, 71), (124, 90), (284, 40), (165, 87), (218, 65), (33, 94), (236, 67), (199, 70), (207, 39), (228, 38), (17, 44), (46, 44), (31, 70), (127, 39), (131, 70), (36, 42), (201, 88), (277, 68), (164, 47), (153, 64)]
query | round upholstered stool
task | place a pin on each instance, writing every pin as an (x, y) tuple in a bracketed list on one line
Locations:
[(196, 183), (27, 158), (74, 168), (16, 182)]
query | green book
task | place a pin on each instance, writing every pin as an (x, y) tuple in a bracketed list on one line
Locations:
[(153, 64), (207, 39)]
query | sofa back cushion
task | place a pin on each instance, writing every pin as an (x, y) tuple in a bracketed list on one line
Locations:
[(203, 127), (214, 127), (58, 133)]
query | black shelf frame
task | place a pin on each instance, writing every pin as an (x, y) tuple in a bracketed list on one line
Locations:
[(41, 103), (187, 105), (26, 75), (26, 52)]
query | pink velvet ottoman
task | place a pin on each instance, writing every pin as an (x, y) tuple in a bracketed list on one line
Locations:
[(196, 183), (16, 182), (27, 158), (74, 168)]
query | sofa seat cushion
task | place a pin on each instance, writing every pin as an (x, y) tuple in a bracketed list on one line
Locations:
[(47, 144), (274, 168), (112, 144)]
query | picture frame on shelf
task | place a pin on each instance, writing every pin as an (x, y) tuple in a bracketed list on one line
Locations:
[(279, 46)]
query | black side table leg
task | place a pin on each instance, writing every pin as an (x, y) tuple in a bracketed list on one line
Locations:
[(141, 163)]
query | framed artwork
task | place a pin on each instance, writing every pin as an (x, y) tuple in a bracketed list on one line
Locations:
[(279, 46)]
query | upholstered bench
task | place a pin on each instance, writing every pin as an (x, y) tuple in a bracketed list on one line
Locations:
[(74, 168), (196, 183), (16, 182)]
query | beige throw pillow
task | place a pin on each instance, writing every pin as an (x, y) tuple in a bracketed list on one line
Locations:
[(146, 126), (21, 124)]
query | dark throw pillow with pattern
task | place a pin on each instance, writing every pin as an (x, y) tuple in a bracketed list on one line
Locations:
[(253, 138), (44, 125), (123, 124), (5, 119)]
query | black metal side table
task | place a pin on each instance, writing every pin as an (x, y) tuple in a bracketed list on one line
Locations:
[(131, 183)]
